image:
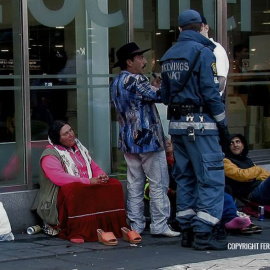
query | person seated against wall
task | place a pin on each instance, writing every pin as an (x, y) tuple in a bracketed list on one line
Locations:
[(247, 181), (76, 196)]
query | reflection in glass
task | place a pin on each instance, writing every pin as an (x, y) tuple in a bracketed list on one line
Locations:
[(11, 122), (248, 88)]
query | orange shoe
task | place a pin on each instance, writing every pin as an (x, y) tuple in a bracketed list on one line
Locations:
[(106, 238), (131, 236), (77, 240)]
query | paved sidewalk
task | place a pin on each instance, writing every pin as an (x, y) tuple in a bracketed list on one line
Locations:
[(43, 252), (251, 262)]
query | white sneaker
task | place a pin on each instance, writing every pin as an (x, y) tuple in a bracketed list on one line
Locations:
[(167, 233)]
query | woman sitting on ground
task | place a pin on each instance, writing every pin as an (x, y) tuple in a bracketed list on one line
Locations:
[(76, 196)]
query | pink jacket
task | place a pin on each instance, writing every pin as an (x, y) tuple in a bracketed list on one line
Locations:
[(53, 169)]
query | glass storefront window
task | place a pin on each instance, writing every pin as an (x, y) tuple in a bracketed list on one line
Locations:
[(248, 87), (156, 27), (71, 47), (53, 78), (12, 165)]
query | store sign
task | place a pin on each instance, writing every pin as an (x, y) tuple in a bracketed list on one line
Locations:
[(8, 64), (67, 13)]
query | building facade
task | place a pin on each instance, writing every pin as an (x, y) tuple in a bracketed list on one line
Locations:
[(56, 59)]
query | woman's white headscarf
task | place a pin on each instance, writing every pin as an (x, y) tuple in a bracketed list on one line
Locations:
[(70, 166)]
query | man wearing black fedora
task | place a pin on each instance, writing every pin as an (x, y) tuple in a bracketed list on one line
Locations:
[(142, 141)]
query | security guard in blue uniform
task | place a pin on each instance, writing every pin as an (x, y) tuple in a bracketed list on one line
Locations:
[(198, 128)]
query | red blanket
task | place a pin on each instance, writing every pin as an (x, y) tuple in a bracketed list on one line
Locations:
[(83, 209), (251, 209)]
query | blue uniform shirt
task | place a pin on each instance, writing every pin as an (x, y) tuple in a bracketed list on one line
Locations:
[(201, 89)]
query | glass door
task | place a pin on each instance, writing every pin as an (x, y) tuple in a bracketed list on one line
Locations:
[(12, 158), (249, 88)]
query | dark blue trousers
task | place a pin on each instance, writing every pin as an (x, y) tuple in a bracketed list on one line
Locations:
[(199, 174)]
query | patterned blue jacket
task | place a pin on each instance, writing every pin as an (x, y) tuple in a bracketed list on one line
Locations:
[(140, 128)]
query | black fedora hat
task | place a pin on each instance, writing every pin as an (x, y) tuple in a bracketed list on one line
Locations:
[(126, 51)]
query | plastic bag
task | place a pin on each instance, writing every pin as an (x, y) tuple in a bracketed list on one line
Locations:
[(5, 228)]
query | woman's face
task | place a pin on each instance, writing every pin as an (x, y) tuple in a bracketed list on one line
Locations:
[(67, 136)]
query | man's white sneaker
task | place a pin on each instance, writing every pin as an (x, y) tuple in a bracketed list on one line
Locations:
[(167, 233)]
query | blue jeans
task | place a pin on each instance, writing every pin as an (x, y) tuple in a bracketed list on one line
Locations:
[(261, 193)]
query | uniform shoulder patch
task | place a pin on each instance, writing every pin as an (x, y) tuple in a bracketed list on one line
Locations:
[(214, 68)]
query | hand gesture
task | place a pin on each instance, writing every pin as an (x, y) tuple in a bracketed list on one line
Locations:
[(157, 82), (101, 179)]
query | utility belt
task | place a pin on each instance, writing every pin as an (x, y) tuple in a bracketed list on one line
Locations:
[(177, 110)]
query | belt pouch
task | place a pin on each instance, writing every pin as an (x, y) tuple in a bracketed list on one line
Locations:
[(176, 111)]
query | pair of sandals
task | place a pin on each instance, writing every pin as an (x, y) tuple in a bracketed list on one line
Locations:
[(109, 239), (250, 229)]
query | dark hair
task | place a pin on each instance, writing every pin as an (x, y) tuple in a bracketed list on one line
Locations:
[(123, 64), (204, 21), (193, 26), (54, 130)]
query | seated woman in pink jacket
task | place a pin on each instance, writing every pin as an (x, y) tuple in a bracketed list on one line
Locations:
[(76, 197)]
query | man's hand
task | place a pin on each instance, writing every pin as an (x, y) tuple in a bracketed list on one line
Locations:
[(224, 137), (157, 82)]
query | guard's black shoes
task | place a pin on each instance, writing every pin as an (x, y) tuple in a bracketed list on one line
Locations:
[(187, 238), (208, 241), (220, 231)]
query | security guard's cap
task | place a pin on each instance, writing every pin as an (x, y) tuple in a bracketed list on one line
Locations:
[(189, 16)]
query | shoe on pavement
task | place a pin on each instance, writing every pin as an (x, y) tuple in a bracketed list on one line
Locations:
[(255, 228), (208, 241), (77, 240), (167, 233), (220, 231), (252, 228), (187, 238), (174, 225)]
